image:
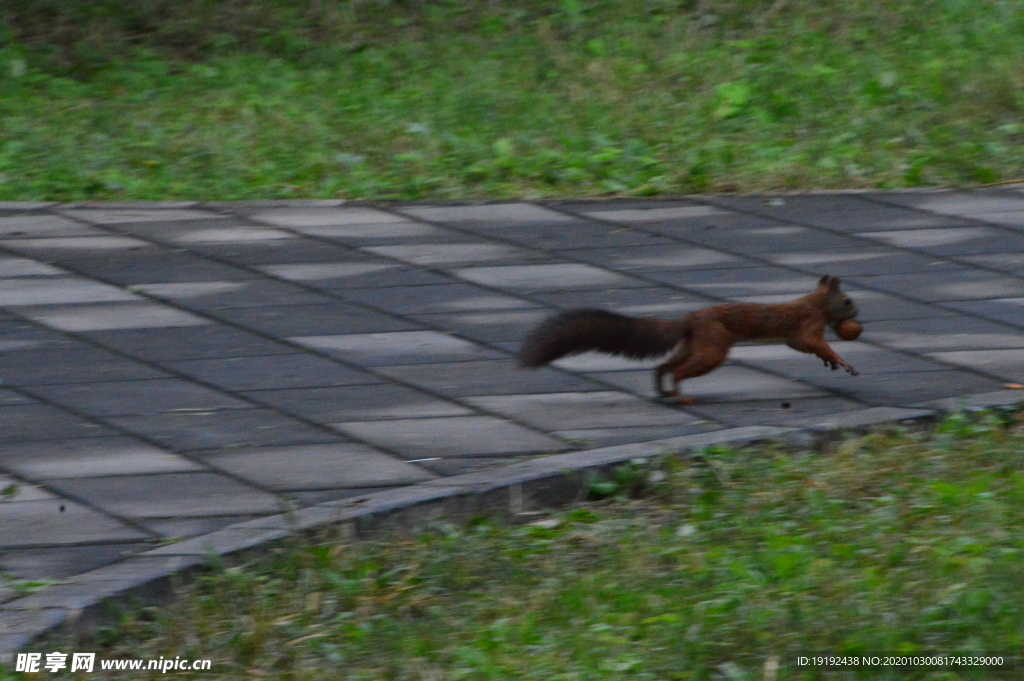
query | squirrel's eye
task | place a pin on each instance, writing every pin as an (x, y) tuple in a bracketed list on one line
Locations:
[(847, 302)]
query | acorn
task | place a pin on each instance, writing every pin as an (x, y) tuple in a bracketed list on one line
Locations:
[(849, 329)]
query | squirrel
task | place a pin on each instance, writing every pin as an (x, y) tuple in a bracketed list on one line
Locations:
[(701, 339)]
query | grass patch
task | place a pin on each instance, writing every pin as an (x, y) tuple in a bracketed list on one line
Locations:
[(716, 568), (475, 99)]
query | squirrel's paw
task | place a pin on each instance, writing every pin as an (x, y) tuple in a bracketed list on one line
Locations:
[(852, 371)]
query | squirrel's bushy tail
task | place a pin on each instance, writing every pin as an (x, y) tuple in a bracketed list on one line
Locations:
[(578, 331)]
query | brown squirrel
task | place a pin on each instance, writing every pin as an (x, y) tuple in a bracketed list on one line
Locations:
[(701, 339)]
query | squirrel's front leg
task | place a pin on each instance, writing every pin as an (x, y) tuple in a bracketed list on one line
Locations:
[(824, 351)]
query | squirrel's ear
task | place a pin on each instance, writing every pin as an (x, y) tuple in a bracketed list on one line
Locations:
[(823, 282), (833, 284)]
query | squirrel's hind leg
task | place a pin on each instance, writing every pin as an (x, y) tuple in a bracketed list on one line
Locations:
[(709, 348), (681, 354)]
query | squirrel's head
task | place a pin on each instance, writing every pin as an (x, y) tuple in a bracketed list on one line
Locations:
[(838, 304)]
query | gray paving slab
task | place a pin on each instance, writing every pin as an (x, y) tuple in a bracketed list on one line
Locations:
[(208, 429), (381, 401), (57, 522), (127, 398), (316, 467), (91, 457), (401, 347), (169, 495), (184, 370), (107, 316), (47, 365), (454, 297), (272, 372), (452, 436), (487, 377)]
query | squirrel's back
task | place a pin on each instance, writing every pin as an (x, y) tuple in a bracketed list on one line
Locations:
[(578, 331)]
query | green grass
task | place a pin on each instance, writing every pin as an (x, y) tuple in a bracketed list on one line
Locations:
[(717, 568), (481, 99)]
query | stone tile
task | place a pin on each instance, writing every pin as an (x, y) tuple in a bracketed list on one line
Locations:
[(858, 419), (25, 205), (56, 290), (325, 216), (117, 216), (231, 235), (170, 495), (736, 282), (639, 215), (77, 248), (948, 284), (251, 207), (23, 267), (404, 347), (59, 522), (459, 465), (362, 403), (313, 320), (769, 238), (730, 383), (1008, 219), (327, 270), (43, 226), (185, 431), (107, 316), (315, 497), (157, 266), (867, 261), (866, 358), (218, 294), (642, 258), (341, 277), (787, 204), (951, 240), (1005, 262), (574, 411), (888, 218), (1006, 364), (970, 204), (18, 337), (64, 561), (496, 215), (272, 372), (277, 252), (130, 398), (487, 327), (319, 467), (772, 412), (945, 333), (446, 255), (27, 422), (10, 397), (453, 436), (539, 277), (76, 363), (454, 297), (653, 301), (878, 306), (194, 342), (182, 528), (558, 236), (89, 458), (487, 377), (1006, 310), (895, 390), (19, 491)]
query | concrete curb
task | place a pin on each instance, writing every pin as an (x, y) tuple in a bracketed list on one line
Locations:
[(77, 605)]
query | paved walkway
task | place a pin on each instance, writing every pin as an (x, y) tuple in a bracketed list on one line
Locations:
[(171, 369)]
